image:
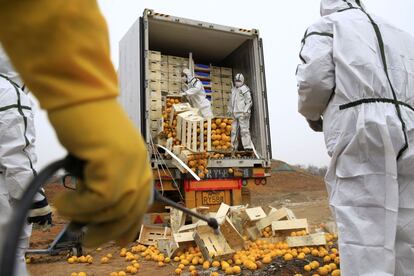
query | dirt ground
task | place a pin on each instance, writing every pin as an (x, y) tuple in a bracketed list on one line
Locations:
[(305, 194)]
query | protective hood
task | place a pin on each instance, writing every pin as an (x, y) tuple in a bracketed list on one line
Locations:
[(331, 6), (239, 77), (6, 68), (187, 72)]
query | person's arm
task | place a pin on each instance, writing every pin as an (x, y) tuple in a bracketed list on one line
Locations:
[(247, 101), (61, 50), (316, 74), (198, 86)]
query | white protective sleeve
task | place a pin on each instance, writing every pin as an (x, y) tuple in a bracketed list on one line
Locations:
[(316, 74), (195, 89)]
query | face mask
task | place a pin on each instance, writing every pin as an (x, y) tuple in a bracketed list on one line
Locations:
[(238, 84)]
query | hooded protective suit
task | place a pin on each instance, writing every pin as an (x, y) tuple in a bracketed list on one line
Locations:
[(17, 155), (197, 96), (239, 108), (358, 75)]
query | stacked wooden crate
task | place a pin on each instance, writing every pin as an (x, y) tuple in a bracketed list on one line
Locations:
[(217, 92), (171, 68), (221, 79), (226, 84), (154, 85), (193, 131)]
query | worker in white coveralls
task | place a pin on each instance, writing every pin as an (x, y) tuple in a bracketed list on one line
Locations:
[(239, 107), (356, 84), (196, 95), (17, 156)]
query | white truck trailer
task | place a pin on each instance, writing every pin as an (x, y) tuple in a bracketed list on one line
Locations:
[(152, 53)]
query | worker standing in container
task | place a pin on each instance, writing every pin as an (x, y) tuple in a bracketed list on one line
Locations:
[(196, 94), (356, 84), (239, 108), (17, 156), (61, 50)]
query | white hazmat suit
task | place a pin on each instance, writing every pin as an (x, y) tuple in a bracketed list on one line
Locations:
[(196, 95), (358, 75), (17, 157), (239, 108)]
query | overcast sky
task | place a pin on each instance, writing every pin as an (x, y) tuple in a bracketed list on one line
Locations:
[(281, 25)]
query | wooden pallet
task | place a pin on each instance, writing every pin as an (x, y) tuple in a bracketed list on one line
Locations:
[(149, 235), (212, 245), (309, 240)]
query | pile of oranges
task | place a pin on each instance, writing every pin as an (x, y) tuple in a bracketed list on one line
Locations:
[(221, 134)]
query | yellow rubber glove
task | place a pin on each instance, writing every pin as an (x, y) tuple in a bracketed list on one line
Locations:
[(61, 50)]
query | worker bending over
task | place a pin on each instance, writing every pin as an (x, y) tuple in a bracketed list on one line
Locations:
[(18, 157), (356, 83), (196, 95), (239, 108)]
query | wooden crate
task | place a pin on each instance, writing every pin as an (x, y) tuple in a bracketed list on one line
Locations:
[(156, 95), (222, 212), (154, 84), (281, 214), (212, 245), (232, 236), (309, 240), (154, 56), (164, 58), (187, 124), (155, 65), (174, 60), (155, 113), (218, 111), (167, 246), (227, 72), (164, 85), (255, 214), (227, 81), (164, 67), (286, 226), (174, 69), (177, 219), (178, 109), (174, 85), (215, 70), (253, 233), (216, 86), (150, 234), (174, 77), (216, 79), (154, 75), (163, 76), (226, 87)]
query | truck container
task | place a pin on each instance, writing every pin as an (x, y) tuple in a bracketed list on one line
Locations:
[(152, 55)]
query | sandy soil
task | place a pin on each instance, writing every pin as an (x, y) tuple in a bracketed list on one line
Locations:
[(303, 193)]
